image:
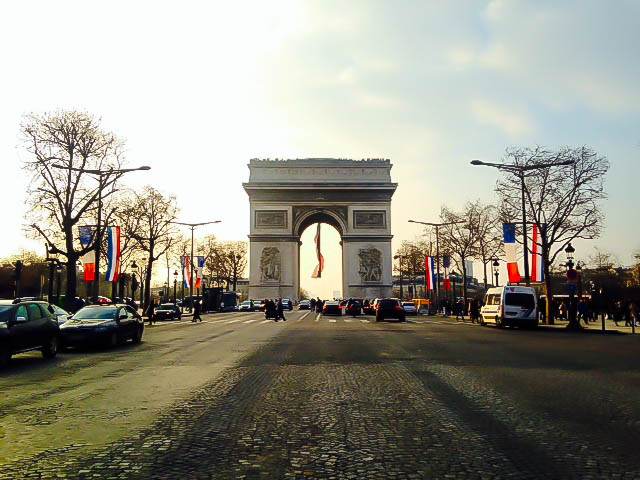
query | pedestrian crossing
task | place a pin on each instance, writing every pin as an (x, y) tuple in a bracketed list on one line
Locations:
[(250, 319)]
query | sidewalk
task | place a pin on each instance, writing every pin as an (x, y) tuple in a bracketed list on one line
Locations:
[(592, 327)]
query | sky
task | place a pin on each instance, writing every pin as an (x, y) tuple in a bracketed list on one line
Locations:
[(199, 88)]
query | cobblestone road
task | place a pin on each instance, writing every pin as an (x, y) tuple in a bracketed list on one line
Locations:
[(357, 399)]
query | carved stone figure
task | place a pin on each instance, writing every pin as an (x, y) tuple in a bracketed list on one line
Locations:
[(270, 264), (370, 265)]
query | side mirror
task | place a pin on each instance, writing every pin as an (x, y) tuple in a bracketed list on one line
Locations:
[(21, 319)]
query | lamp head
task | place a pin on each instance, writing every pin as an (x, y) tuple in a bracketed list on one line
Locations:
[(477, 162), (144, 167)]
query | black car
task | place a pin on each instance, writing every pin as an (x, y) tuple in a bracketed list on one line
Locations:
[(389, 308), (27, 325), (102, 325), (167, 311), (304, 305), (332, 308)]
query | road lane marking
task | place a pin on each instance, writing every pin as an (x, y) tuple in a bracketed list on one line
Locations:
[(364, 321), (348, 320), (233, 321), (303, 316), (250, 321), (318, 318), (332, 320), (265, 321)]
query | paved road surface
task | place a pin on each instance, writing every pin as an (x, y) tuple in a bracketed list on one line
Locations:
[(238, 397)]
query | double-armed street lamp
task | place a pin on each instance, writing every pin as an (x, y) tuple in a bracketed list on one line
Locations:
[(100, 174), (437, 227), (519, 171), (192, 226)]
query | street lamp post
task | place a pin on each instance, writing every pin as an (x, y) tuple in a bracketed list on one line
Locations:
[(437, 226), (192, 226), (496, 269), (100, 174), (175, 285), (572, 276), (399, 258), (519, 171)]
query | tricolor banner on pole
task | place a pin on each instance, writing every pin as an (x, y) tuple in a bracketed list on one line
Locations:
[(537, 268), (430, 274), (446, 264), (185, 263), (509, 231), (317, 272), (199, 270), (113, 253), (89, 265)]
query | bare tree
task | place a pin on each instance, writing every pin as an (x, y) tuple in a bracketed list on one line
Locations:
[(489, 242), (62, 198), (151, 229), (601, 260), (563, 200), (459, 237)]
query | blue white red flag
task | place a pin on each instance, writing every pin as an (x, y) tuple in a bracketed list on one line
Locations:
[(430, 274), (537, 268), (113, 254), (185, 263), (509, 232), (199, 270)]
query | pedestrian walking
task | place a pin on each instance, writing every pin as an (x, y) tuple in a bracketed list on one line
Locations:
[(459, 308), (474, 311), (196, 312), (635, 314), (280, 310)]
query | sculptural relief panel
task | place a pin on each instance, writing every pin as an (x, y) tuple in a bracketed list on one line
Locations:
[(370, 265), (270, 264)]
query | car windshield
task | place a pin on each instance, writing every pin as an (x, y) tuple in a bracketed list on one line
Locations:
[(519, 300), (93, 313), (59, 311), (5, 312), (409, 304), (246, 303)]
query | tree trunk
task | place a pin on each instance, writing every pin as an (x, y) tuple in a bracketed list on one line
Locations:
[(147, 284), (70, 290), (464, 285), (548, 287), (484, 266)]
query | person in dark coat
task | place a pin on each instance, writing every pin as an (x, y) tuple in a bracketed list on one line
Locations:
[(280, 310), (196, 311)]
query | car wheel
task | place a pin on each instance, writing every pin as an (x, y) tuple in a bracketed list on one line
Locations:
[(5, 357), (137, 337), (500, 322), (51, 349)]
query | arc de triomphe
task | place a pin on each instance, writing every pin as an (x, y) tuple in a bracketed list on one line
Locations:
[(286, 196)]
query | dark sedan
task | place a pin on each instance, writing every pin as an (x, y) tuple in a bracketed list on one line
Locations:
[(390, 308), (332, 308), (167, 311), (102, 325)]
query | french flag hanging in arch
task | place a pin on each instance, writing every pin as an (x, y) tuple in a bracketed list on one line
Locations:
[(509, 232)]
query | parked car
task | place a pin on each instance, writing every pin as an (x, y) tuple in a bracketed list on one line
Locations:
[(304, 305), (96, 324), (288, 304), (389, 308), (61, 314), (510, 306), (167, 311), (247, 306), (27, 325), (331, 307), (410, 308)]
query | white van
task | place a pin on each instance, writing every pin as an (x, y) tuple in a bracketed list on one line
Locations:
[(510, 305)]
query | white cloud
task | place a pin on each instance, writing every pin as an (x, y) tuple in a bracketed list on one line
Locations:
[(503, 117)]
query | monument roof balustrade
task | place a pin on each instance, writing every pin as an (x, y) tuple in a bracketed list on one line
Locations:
[(320, 171)]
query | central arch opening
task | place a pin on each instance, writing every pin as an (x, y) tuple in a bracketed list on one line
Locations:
[(329, 285)]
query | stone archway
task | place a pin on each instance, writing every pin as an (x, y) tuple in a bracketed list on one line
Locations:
[(286, 196)]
